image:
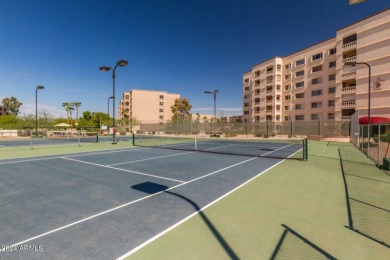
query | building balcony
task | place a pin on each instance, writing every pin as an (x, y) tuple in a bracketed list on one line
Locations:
[(351, 104), (348, 90), (268, 111), (348, 75), (349, 59), (256, 112), (268, 101), (257, 103), (350, 45)]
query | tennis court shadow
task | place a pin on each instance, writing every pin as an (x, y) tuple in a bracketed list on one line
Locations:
[(152, 188), (364, 218), (292, 245)]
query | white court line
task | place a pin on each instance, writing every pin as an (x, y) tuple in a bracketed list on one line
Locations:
[(193, 214), (152, 158), (119, 169), (123, 205), (50, 157)]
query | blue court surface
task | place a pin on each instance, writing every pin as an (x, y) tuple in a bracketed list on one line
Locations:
[(102, 205)]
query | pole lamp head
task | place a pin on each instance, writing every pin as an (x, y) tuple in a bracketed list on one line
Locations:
[(40, 87), (122, 63), (104, 68), (216, 91), (208, 92)]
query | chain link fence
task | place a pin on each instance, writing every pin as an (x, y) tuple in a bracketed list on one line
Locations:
[(373, 140), (312, 129)]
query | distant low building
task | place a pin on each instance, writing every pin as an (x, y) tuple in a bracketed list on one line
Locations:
[(202, 118), (231, 119)]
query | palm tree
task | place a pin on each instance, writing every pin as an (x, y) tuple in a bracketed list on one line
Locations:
[(77, 105), (66, 105)]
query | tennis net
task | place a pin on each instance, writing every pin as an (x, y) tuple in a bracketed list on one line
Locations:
[(271, 148), (75, 136)]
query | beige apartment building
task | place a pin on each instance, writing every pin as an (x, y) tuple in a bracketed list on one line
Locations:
[(317, 83), (146, 106)]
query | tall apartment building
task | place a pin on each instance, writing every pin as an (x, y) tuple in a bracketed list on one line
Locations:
[(147, 105), (316, 84)]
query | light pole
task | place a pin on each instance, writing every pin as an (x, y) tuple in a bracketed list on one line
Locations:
[(108, 110), (36, 107), (215, 102), (121, 63), (353, 63)]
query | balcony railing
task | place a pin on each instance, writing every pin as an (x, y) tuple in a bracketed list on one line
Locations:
[(350, 59), (268, 101), (348, 75), (351, 89), (351, 103), (349, 45)]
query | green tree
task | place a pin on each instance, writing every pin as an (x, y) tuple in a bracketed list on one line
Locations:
[(11, 106), (181, 109)]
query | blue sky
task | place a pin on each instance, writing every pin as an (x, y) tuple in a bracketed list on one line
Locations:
[(178, 46)]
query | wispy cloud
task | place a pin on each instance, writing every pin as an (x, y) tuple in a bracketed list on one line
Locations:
[(29, 108)]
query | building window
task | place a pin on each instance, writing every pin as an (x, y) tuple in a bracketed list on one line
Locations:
[(299, 73), (316, 105), (332, 90), (279, 67), (316, 81), (300, 84), (257, 83), (287, 87), (269, 79), (316, 56), (299, 62), (287, 118), (270, 69), (315, 117), (332, 77), (332, 64), (331, 103), (246, 96), (299, 117), (316, 68), (332, 51), (299, 95), (246, 88), (316, 93), (161, 110), (161, 103), (161, 96), (257, 73), (162, 117), (287, 66), (330, 115), (298, 106), (246, 112), (287, 98), (287, 77), (246, 81), (286, 108)]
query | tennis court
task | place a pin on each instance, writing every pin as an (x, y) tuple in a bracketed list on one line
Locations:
[(104, 204)]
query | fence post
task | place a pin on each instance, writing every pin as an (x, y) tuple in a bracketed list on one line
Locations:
[(379, 144)]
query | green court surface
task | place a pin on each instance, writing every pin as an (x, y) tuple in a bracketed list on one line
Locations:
[(307, 198)]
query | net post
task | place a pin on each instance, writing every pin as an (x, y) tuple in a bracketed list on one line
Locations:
[(133, 139), (97, 137), (196, 144), (305, 154)]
